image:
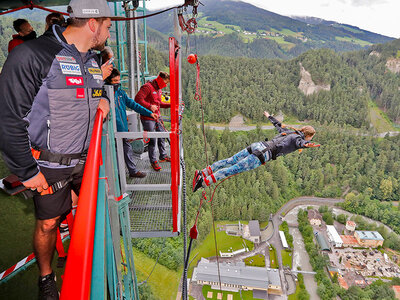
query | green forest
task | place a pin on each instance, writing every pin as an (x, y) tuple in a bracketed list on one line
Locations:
[(247, 86)]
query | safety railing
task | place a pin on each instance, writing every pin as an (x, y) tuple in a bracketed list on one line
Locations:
[(155, 208), (78, 270), (99, 266)]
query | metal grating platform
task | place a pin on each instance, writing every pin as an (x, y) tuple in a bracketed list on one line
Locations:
[(151, 214), (153, 177), (151, 211)]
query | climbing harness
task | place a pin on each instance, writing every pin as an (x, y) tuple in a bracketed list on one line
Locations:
[(62, 159), (270, 146)]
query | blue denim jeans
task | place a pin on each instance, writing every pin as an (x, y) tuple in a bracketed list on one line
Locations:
[(240, 162)]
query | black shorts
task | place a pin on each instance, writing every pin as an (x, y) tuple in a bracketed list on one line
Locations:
[(59, 203)]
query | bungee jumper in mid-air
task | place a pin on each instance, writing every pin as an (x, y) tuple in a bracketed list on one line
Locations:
[(288, 140)]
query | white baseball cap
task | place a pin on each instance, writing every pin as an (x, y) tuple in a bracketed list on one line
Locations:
[(86, 9)]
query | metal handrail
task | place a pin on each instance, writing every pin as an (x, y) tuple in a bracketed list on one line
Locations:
[(78, 270)]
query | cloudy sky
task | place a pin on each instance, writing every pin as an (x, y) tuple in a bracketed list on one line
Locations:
[(380, 16)]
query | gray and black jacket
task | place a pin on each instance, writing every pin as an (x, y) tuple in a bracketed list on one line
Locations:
[(49, 97), (287, 141)]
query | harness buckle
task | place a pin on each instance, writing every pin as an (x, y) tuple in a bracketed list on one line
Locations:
[(65, 161)]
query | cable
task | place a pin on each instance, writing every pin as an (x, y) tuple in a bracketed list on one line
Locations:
[(32, 6), (158, 257), (199, 98), (184, 281)]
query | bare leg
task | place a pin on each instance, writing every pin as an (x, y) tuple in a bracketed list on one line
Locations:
[(74, 199), (44, 243)]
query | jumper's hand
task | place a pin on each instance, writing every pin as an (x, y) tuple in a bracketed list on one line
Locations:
[(38, 183), (266, 114), (312, 145), (283, 125), (104, 106), (154, 116), (153, 108)]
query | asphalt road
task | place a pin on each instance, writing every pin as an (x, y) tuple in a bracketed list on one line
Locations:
[(274, 239), (265, 127)]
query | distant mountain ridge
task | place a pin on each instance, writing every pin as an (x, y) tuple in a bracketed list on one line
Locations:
[(312, 20), (245, 25)]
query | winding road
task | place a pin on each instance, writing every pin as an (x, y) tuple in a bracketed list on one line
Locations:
[(268, 127), (288, 284)]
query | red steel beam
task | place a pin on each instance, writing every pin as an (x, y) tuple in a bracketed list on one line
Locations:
[(174, 135)]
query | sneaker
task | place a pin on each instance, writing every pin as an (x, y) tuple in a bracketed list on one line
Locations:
[(198, 184), (165, 159), (156, 166), (138, 174), (48, 288)]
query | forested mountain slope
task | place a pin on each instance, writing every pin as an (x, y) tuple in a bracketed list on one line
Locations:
[(350, 160), (234, 28), (248, 86)]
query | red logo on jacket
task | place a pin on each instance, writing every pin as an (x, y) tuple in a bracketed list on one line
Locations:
[(72, 80), (80, 93)]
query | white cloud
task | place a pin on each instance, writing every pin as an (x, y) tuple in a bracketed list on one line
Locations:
[(367, 2)]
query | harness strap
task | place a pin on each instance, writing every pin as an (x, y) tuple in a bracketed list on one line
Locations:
[(260, 155), (62, 159), (59, 184), (248, 148)]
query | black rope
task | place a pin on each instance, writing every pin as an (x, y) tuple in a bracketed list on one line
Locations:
[(144, 16), (159, 254), (184, 281)]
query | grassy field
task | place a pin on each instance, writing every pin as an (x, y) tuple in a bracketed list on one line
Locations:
[(273, 258), (246, 295), (288, 32), (16, 228), (379, 119), (348, 28), (255, 261), (224, 242), (353, 40), (295, 296), (287, 258), (213, 25), (163, 282), (264, 224), (281, 41)]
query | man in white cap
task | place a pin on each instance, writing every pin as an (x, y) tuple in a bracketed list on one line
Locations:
[(51, 89)]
